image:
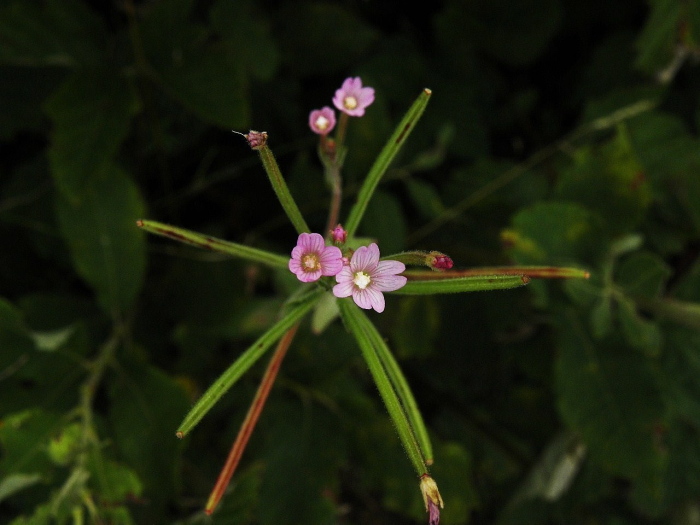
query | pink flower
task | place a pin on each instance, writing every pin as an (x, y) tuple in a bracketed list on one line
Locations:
[(352, 98), (311, 258), (322, 121), (366, 277)]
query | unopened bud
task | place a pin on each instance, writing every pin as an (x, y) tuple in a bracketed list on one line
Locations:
[(339, 235), (439, 261)]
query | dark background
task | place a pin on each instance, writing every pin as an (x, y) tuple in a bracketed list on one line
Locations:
[(559, 132)]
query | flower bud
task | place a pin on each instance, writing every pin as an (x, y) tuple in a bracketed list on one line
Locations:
[(339, 235), (439, 261)]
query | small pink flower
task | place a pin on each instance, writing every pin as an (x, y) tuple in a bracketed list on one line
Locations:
[(311, 258), (322, 121), (339, 235), (352, 98), (366, 277)]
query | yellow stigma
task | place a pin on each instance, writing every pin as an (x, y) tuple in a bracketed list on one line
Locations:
[(361, 280), (310, 262), (350, 102)]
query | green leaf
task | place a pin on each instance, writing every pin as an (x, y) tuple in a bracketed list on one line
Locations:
[(107, 249), (114, 482), (642, 274), (246, 32), (601, 318), (206, 76), (325, 313), (91, 112), (640, 333), (657, 41), (146, 406), (13, 483), (597, 383), (25, 437), (555, 233), (610, 181), (57, 33)]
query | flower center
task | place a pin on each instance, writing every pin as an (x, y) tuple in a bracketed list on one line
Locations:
[(362, 280), (350, 102), (310, 262), (322, 123)]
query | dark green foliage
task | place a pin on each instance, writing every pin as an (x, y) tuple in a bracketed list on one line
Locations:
[(560, 132)]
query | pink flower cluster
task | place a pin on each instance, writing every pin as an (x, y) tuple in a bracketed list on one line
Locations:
[(364, 276), (352, 99)]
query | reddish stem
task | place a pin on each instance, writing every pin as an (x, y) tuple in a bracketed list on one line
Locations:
[(250, 420)]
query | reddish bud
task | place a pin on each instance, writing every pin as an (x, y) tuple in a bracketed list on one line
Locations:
[(339, 235), (439, 261)]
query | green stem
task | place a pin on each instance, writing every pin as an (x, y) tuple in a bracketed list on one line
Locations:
[(356, 321), (244, 362), (212, 243), (281, 189), (392, 147), (544, 272)]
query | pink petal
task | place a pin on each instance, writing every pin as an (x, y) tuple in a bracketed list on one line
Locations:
[(369, 298), (362, 298), (365, 258), (315, 242), (343, 289), (377, 299), (332, 265), (390, 267), (307, 277), (297, 252), (295, 266), (366, 97), (388, 283), (344, 275)]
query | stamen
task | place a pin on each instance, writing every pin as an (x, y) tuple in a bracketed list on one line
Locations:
[(361, 280)]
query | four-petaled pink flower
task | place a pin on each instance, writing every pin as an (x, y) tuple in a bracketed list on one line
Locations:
[(311, 258), (366, 277), (322, 121), (352, 98)]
